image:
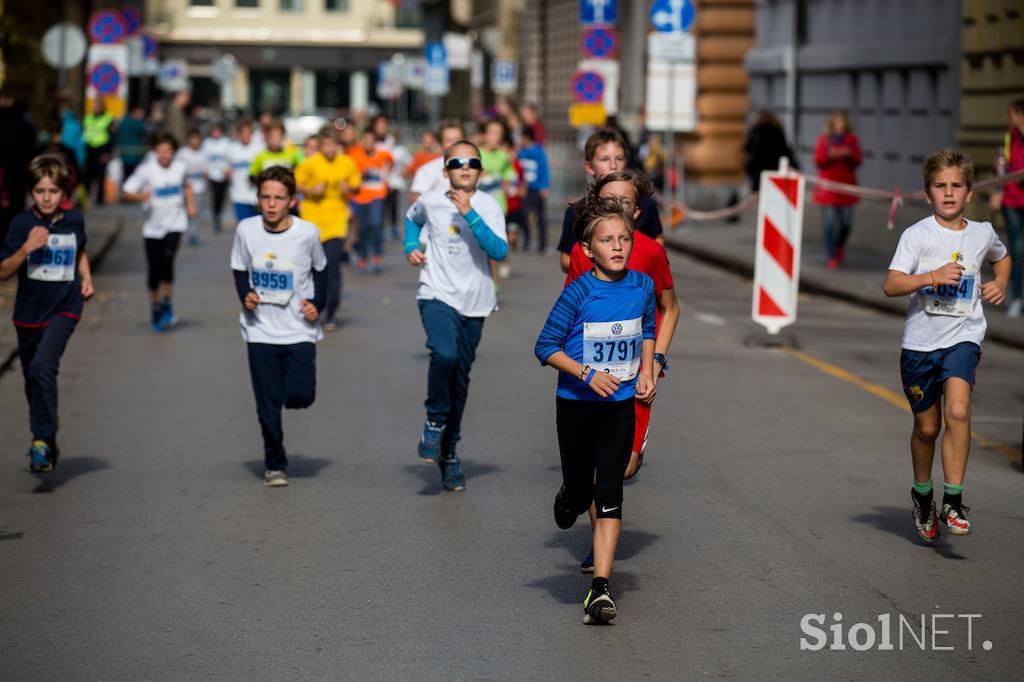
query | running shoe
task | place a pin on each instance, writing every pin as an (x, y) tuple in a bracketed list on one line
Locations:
[(928, 528), (376, 264), (565, 518), (168, 319), (452, 477), (361, 265), (40, 457), (587, 565), (157, 317), (598, 607), (430, 441), (331, 325), (955, 519), (274, 479)]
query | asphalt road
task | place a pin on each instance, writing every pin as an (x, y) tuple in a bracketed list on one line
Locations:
[(776, 485)]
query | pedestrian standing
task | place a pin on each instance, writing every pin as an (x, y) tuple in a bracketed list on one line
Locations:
[(1011, 200), (938, 264), (45, 246), (374, 163), (650, 258), (600, 337), (241, 155), (280, 277), (326, 180), (97, 128), (605, 152), (465, 231), (196, 163), (161, 185), (765, 145), (131, 139), (837, 156), (217, 148), (534, 161)]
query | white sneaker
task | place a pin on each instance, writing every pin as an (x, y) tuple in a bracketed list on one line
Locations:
[(1014, 310), (274, 479)]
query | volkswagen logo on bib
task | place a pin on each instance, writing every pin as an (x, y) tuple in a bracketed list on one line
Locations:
[(53, 241), (616, 329), (270, 265)]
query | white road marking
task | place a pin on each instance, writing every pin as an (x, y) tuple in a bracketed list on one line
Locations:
[(709, 318)]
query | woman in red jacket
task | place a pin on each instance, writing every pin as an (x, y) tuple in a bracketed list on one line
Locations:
[(837, 155)]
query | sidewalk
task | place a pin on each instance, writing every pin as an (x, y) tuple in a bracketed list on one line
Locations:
[(859, 280), (102, 225)]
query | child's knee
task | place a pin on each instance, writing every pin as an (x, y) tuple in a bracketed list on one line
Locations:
[(958, 412), (927, 431)]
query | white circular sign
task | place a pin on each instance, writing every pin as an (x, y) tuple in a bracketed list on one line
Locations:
[(63, 46), (224, 68)]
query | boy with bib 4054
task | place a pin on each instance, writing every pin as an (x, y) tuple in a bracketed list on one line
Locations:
[(600, 338), (46, 247), (280, 273), (938, 263)]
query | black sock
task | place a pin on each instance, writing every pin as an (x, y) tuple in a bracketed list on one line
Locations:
[(599, 584), (953, 500)]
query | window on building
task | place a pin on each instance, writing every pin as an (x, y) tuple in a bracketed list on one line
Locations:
[(291, 5), (336, 5), (247, 4), (201, 3), (332, 89), (408, 15)]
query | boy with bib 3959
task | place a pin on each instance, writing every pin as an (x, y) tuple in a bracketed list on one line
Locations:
[(600, 337), (280, 273), (938, 264)]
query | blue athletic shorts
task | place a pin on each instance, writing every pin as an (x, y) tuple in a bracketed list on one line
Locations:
[(924, 373)]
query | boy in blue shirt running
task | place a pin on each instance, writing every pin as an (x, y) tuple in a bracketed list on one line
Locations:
[(600, 337)]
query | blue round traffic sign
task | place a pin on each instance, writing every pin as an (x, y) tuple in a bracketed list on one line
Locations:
[(588, 87), (105, 77), (672, 15), (107, 27), (599, 43), (131, 19)]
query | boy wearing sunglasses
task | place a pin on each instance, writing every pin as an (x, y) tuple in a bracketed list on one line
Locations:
[(464, 229)]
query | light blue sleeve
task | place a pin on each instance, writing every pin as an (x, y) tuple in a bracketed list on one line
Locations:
[(494, 246)]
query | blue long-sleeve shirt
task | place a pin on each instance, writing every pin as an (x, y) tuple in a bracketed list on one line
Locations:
[(601, 324), (534, 161)]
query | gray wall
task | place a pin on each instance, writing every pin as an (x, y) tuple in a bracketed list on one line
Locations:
[(894, 65)]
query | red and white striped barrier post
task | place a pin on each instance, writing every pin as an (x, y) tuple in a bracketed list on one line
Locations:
[(780, 217)]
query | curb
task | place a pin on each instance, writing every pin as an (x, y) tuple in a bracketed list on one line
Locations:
[(95, 261), (816, 286)]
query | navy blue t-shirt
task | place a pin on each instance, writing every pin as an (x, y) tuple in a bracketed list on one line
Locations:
[(49, 282), (649, 223)]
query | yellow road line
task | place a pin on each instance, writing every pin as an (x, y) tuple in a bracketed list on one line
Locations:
[(892, 397)]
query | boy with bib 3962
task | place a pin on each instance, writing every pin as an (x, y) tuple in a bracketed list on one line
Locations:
[(938, 264), (280, 275), (45, 246)]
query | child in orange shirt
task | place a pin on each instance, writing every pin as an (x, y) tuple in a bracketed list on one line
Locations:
[(375, 164)]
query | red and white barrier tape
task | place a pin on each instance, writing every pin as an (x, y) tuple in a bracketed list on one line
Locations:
[(896, 198)]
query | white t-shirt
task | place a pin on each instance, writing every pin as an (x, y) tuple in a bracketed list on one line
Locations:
[(430, 177), (950, 315), (165, 211), (280, 267), (457, 272), (240, 157), (195, 161), (216, 150)]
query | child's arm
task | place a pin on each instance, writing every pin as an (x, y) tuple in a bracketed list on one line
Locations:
[(994, 292), (36, 239), (494, 246), (415, 217), (86, 271), (552, 340), (669, 306), (900, 283), (646, 385), (190, 201), (311, 308)]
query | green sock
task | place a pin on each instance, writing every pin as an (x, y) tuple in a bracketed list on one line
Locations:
[(923, 488), (951, 489)]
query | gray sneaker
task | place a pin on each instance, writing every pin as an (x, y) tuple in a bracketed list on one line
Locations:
[(274, 479)]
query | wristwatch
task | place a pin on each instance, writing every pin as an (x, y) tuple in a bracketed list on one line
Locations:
[(661, 359)]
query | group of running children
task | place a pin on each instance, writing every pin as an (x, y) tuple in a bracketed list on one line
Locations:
[(607, 335)]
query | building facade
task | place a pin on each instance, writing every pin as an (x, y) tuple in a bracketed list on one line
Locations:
[(893, 66), (292, 56)]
